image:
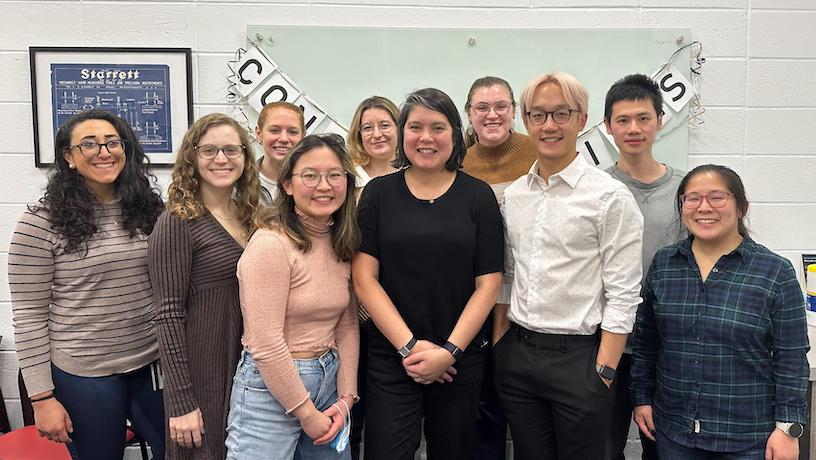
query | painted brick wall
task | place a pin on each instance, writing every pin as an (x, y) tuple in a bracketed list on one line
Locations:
[(758, 84)]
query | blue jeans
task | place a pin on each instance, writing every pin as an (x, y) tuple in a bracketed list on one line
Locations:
[(99, 407), (670, 450), (258, 426)]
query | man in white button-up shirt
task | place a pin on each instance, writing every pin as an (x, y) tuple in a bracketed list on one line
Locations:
[(572, 280)]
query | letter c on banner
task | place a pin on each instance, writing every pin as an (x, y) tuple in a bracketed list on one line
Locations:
[(254, 62), (271, 90), (672, 87)]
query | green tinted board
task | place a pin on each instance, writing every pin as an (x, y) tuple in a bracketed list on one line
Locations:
[(339, 67)]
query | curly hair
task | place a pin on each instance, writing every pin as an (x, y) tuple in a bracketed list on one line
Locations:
[(70, 203), (345, 233), (183, 195), (355, 140)]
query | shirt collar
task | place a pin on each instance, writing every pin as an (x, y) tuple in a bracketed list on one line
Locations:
[(745, 248), (571, 174)]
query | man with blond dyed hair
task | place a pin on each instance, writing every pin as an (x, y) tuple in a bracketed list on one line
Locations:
[(572, 282)]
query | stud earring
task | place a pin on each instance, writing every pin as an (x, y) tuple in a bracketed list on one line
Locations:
[(71, 165)]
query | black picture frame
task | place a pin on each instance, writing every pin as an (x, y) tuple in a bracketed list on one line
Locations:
[(151, 88)]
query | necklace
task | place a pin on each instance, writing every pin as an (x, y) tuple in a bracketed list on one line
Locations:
[(221, 217)]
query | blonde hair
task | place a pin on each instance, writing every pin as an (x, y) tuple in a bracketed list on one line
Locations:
[(355, 140), (572, 89), (183, 197)]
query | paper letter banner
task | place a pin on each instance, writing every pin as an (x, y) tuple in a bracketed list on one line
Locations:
[(594, 149), (252, 69), (677, 91), (312, 115), (275, 89)]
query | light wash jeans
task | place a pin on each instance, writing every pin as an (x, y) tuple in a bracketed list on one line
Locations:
[(258, 426)]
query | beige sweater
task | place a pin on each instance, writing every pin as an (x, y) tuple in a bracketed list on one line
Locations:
[(499, 166), (296, 302)]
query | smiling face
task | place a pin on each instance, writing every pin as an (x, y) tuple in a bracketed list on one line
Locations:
[(99, 171), (634, 125), (707, 223), (220, 172), (280, 132), (323, 200), (427, 139), (380, 144), (492, 113), (554, 143)]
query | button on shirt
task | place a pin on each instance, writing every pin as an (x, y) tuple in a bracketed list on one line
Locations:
[(720, 361), (573, 252)]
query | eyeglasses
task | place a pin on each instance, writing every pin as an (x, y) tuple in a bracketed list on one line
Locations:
[(560, 116), (208, 152), (693, 200), (90, 149), (500, 108), (311, 177), (384, 127)]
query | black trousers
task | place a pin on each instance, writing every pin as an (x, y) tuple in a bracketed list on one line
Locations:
[(491, 426), (358, 409), (622, 416), (557, 405), (397, 405)]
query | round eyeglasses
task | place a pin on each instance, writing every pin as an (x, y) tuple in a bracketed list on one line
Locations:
[(385, 127), (501, 108), (311, 177), (90, 149), (560, 116), (717, 199)]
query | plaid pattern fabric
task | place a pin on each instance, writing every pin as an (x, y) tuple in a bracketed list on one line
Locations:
[(721, 361)]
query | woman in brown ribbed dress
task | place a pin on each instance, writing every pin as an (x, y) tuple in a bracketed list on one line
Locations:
[(193, 253)]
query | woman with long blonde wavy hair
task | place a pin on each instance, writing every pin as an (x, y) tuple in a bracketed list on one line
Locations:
[(193, 253)]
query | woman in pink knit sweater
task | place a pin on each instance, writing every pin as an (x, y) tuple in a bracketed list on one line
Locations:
[(297, 378)]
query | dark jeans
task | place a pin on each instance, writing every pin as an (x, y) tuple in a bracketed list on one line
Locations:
[(397, 405), (670, 450), (557, 405), (622, 416), (100, 406)]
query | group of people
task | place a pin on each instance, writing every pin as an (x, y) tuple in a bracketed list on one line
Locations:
[(420, 275)]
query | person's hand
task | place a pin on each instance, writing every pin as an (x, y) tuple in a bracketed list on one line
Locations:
[(337, 413), (52, 420), (186, 430), (430, 365), (314, 423), (643, 417), (780, 446)]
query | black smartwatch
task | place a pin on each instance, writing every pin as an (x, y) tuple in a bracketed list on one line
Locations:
[(792, 429), (454, 350), (605, 371), (406, 349)]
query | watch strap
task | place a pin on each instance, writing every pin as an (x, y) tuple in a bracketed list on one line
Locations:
[(406, 349), (454, 350), (605, 371), (792, 429)]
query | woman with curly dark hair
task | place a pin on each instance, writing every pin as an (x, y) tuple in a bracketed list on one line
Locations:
[(81, 296), (193, 253)]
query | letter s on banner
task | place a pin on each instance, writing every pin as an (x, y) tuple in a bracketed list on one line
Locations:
[(677, 91)]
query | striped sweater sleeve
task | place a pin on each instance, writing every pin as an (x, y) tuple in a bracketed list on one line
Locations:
[(170, 255), (31, 274)]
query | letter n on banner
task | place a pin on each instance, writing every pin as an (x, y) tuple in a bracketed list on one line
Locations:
[(593, 147), (312, 115)]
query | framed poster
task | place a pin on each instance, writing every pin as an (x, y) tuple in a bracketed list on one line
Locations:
[(150, 88)]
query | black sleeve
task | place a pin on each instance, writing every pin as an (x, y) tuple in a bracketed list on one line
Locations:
[(490, 234), (368, 217)]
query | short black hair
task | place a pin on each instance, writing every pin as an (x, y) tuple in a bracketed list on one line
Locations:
[(635, 87), (438, 101)]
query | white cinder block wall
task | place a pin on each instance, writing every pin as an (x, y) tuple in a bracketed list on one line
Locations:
[(758, 83)]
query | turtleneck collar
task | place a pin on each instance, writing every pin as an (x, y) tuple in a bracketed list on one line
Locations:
[(313, 226)]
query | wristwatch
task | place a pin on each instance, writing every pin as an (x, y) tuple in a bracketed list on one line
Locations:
[(792, 429), (454, 350), (605, 371), (406, 349)]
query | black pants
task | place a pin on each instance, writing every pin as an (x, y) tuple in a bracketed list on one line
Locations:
[(557, 405), (622, 416), (397, 405), (358, 409)]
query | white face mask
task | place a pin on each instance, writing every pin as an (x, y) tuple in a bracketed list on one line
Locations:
[(340, 442)]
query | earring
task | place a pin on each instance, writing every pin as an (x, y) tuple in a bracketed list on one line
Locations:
[(71, 165)]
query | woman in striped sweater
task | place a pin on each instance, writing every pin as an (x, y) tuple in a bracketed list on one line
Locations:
[(81, 296), (193, 253)]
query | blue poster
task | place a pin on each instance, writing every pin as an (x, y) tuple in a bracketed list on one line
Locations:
[(139, 93)]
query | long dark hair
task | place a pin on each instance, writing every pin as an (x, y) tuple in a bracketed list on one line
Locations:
[(732, 182), (70, 204)]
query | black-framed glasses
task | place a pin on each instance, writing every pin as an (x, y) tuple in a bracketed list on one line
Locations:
[(90, 149), (717, 199), (208, 152), (560, 116), (385, 127), (312, 177)]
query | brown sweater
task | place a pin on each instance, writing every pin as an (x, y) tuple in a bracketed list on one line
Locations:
[(192, 268), (297, 302), (499, 166), (89, 313)]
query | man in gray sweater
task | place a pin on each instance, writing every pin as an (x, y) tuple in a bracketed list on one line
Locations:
[(633, 115)]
